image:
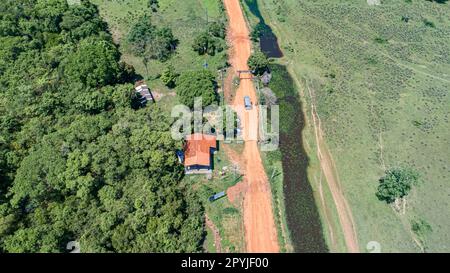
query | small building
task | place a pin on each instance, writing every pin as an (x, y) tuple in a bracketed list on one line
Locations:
[(144, 92), (266, 78), (217, 196), (198, 153), (270, 98)]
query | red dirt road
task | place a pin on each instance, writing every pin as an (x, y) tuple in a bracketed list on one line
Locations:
[(260, 230)]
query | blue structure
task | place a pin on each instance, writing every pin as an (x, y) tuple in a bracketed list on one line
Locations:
[(216, 196), (180, 155)]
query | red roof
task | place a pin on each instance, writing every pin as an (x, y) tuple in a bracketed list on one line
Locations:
[(198, 149)]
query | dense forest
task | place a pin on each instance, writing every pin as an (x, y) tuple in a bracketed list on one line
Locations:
[(78, 162)]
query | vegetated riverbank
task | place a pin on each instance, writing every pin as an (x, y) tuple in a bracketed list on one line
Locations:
[(302, 216)]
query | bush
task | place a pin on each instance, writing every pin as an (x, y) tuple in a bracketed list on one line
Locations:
[(169, 76), (421, 228), (258, 62)]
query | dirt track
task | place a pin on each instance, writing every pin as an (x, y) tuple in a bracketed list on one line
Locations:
[(216, 234), (260, 230), (329, 170)]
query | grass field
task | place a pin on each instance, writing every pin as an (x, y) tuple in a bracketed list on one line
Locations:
[(380, 79)]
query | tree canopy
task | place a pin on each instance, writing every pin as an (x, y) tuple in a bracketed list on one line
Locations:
[(151, 42), (396, 184), (197, 84), (77, 162), (258, 62), (210, 41), (94, 63)]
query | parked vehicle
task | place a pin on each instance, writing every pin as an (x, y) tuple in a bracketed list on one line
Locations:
[(247, 103)]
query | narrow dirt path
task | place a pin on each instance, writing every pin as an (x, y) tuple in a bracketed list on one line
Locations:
[(259, 224), (329, 170), (327, 214), (216, 234)]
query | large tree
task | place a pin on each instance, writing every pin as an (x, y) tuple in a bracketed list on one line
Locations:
[(210, 41), (94, 64), (258, 62), (149, 42), (396, 184), (197, 84)]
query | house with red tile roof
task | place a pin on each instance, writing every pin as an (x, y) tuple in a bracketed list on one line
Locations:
[(198, 153)]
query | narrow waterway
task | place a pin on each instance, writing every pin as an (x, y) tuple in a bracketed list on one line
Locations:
[(267, 39), (302, 214)]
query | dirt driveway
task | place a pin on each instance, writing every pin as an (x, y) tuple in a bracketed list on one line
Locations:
[(260, 230)]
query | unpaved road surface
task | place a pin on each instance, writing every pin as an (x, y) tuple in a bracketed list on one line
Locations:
[(259, 224)]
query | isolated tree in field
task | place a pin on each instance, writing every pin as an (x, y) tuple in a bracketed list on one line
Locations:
[(258, 62), (193, 84), (140, 34), (204, 43), (151, 43), (161, 46), (201, 43), (169, 76), (211, 41), (396, 184)]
